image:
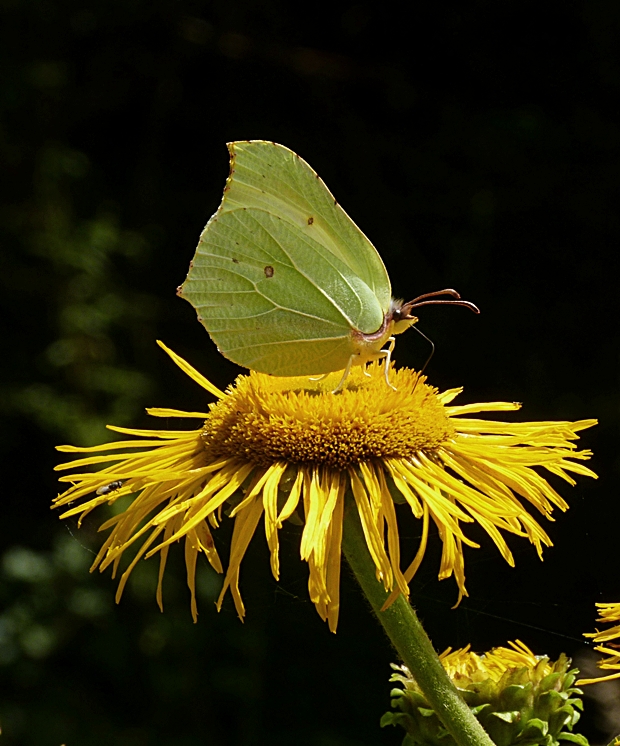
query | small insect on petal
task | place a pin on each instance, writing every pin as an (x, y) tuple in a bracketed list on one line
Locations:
[(112, 487)]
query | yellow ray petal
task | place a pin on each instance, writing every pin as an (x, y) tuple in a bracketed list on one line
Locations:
[(192, 372)]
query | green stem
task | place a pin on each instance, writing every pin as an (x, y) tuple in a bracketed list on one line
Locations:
[(411, 641)]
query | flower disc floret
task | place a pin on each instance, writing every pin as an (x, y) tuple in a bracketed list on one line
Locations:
[(265, 419)]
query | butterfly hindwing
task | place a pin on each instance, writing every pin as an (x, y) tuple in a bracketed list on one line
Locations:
[(274, 300)]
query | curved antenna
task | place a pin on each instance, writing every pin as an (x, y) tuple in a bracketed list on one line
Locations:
[(403, 313), (429, 299), (428, 359)]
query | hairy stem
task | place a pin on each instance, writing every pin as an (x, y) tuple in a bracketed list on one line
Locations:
[(412, 643)]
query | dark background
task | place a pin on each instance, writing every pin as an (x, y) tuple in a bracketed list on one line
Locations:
[(476, 143)]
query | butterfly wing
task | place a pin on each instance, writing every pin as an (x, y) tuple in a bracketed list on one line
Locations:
[(269, 176), (271, 279)]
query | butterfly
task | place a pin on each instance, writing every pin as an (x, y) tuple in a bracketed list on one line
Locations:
[(285, 282)]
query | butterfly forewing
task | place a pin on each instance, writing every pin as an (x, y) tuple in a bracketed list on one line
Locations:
[(273, 178), (282, 278)]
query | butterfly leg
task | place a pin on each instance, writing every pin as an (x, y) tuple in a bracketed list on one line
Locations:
[(345, 375), (388, 359), (318, 378)]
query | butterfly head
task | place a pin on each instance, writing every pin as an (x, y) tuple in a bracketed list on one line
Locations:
[(400, 316)]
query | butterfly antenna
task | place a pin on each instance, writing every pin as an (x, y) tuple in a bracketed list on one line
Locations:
[(403, 312), (430, 299), (428, 359)]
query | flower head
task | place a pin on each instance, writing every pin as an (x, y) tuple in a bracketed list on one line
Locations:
[(274, 448), (608, 614), (517, 696)]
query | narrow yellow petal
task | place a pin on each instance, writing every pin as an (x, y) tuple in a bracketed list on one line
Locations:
[(134, 562), (392, 466), (163, 412), (333, 561), (373, 540), (235, 480), (244, 528), (449, 395), (163, 434), (392, 538), (494, 406), (270, 509), (169, 529), (113, 446), (255, 488), (292, 501), (191, 555), (192, 372), (610, 677), (321, 535), (315, 498)]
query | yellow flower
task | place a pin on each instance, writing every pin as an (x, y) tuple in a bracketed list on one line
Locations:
[(465, 667), (608, 613), (518, 697), (272, 448)]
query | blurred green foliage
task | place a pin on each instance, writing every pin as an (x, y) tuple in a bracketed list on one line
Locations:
[(477, 144), (79, 308)]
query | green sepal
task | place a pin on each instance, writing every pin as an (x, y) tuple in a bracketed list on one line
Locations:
[(560, 718), (570, 679), (527, 706), (576, 738), (575, 719), (396, 718), (515, 696), (548, 702), (575, 702), (534, 729), (480, 708), (549, 682), (508, 717)]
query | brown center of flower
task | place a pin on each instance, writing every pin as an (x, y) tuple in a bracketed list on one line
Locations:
[(263, 419)]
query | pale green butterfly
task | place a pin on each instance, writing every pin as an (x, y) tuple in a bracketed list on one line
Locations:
[(284, 281)]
